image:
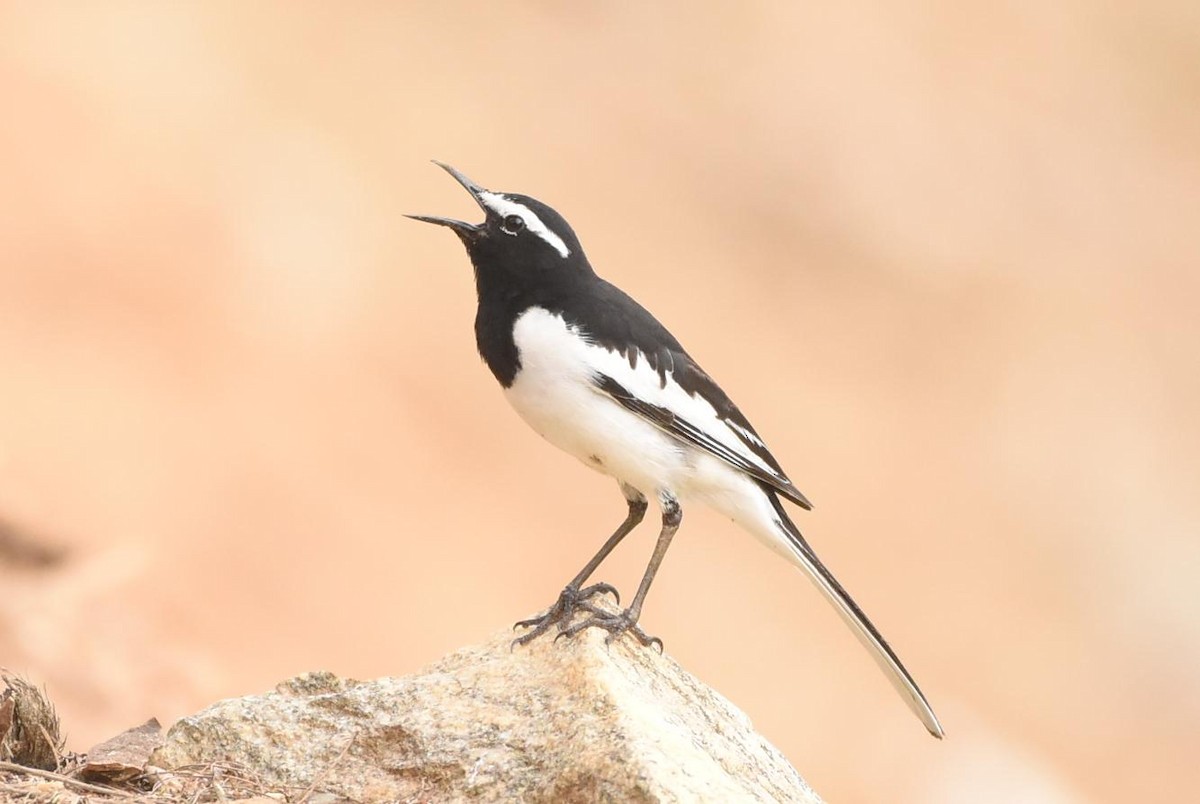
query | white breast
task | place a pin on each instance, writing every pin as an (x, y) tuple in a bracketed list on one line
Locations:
[(555, 394)]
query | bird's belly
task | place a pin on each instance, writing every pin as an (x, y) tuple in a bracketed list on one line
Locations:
[(585, 423)]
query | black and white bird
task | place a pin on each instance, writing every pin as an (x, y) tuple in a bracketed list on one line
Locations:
[(595, 374)]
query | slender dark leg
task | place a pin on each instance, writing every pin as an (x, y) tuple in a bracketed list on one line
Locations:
[(575, 597), (627, 620)]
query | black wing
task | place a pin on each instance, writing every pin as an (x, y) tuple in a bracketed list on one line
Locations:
[(684, 430), (612, 319)]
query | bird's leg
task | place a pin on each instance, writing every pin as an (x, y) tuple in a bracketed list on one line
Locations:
[(617, 624), (575, 596)]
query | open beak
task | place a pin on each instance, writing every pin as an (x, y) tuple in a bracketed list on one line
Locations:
[(461, 228)]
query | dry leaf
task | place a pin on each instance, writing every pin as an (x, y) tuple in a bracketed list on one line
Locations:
[(123, 757)]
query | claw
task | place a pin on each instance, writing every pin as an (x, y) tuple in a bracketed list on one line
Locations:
[(600, 589), (532, 621), (569, 601), (615, 625), (525, 639)]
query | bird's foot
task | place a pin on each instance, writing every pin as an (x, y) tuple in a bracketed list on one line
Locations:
[(615, 625), (571, 600)]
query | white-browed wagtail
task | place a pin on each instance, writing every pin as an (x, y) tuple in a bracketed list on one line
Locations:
[(595, 374)]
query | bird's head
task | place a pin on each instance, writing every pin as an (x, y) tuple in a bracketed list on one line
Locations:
[(519, 236)]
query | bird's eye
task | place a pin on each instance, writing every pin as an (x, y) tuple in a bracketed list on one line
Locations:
[(512, 224)]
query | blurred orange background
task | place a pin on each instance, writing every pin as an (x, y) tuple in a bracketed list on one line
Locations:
[(945, 258)]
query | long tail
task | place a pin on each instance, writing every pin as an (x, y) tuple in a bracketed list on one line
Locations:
[(867, 634)]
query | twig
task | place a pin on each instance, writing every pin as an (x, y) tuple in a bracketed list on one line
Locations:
[(12, 788), (13, 767), (50, 742)]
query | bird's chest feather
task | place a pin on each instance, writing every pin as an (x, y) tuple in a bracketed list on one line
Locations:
[(555, 393)]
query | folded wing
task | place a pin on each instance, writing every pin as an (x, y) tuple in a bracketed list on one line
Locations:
[(693, 409)]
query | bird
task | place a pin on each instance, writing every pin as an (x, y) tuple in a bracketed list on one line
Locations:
[(595, 374)]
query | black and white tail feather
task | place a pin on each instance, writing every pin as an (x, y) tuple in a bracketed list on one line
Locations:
[(805, 558)]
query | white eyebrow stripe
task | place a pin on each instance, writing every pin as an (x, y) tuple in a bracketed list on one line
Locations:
[(503, 205)]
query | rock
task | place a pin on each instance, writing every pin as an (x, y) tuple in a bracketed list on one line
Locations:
[(569, 721)]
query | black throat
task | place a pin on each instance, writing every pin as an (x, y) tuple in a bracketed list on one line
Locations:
[(504, 294)]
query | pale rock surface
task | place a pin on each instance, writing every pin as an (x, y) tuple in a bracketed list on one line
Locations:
[(569, 721)]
